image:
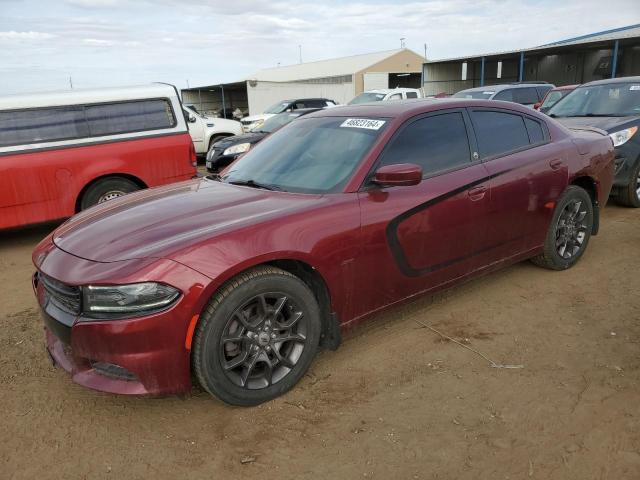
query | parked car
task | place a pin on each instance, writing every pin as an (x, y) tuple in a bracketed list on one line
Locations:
[(384, 94), (63, 152), (612, 105), (253, 122), (341, 214), (553, 96), (524, 93), (205, 131), (225, 151)]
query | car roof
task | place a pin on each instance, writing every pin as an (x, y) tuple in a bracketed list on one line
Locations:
[(566, 87), (409, 108), (612, 80), (390, 90)]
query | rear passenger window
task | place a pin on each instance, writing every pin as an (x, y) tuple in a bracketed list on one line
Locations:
[(23, 127), (436, 143), (535, 131), (125, 117), (499, 133), (525, 96), (396, 96), (412, 95)]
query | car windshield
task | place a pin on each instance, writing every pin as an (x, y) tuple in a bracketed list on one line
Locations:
[(278, 107), (477, 94), (367, 97), (276, 122), (553, 98), (608, 100), (312, 155)]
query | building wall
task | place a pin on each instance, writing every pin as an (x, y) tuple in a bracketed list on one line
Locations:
[(405, 61), (264, 94)]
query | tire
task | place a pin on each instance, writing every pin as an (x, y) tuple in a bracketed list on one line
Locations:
[(629, 195), (106, 189), (251, 366), (568, 229)]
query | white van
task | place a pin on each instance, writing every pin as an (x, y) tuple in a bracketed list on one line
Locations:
[(385, 94), (205, 131)]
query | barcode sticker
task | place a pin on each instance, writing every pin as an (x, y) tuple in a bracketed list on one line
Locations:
[(363, 123)]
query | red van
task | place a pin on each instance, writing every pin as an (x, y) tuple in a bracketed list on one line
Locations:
[(63, 152)]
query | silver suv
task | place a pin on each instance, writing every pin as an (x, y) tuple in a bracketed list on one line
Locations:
[(524, 93)]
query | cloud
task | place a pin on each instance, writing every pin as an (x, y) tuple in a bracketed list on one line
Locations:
[(97, 42), (13, 35), (93, 3)]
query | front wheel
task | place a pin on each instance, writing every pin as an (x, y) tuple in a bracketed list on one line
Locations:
[(629, 195), (257, 337), (569, 232)]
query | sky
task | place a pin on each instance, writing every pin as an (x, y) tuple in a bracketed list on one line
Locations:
[(125, 42)]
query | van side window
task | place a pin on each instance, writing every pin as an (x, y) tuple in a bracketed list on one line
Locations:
[(525, 96), (436, 143), (499, 133), (22, 127), (125, 117)]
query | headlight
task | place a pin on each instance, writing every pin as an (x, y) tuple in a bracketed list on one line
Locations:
[(120, 300), (237, 149), (621, 137), (256, 124)]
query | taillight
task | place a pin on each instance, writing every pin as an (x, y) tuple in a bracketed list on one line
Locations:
[(192, 155)]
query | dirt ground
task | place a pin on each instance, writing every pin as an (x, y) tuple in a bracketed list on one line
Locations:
[(396, 401)]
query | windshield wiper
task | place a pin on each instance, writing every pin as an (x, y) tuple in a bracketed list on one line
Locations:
[(598, 115), (252, 183)]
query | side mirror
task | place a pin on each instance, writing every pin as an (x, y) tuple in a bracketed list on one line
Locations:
[(401, 174), (537, 106), (192, 119)]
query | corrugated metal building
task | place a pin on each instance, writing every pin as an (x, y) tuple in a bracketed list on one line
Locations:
[(581, 59), (339, 79)]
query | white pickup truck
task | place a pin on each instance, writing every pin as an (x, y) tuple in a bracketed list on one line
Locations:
[(205, 131), (384, 94)]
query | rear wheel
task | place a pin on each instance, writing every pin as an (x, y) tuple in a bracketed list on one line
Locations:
[(257, 337), (629, 195), (569, 232), (107, 189)]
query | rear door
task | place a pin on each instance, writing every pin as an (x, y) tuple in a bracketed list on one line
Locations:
[(526, 175), (418, 237)]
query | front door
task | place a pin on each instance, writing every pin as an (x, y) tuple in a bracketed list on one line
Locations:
[(419, 237)]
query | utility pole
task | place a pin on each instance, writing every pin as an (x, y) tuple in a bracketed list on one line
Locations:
[(425, 52), (402, 42), (300, 52), (70, 83), (188, 83)]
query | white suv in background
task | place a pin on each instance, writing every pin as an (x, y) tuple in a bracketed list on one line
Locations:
[(384, 94), (205, 131), (256, 121)]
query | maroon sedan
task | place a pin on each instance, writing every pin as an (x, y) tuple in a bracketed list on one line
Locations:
[(237, 281)]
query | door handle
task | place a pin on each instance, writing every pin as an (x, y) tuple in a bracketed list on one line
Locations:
[(556, 164), (477, 193)]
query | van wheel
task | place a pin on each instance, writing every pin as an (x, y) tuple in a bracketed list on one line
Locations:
[(569, 232), (105, 190), (629, 195), (256, 337)]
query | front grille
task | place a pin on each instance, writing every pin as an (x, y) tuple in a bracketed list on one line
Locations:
[(66, 297)]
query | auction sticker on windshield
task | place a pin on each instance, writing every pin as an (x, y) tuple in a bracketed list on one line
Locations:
[(363, 123)]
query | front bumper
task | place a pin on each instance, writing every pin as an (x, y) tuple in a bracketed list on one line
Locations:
[(137, 356)]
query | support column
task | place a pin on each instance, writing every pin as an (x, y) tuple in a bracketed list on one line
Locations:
[(521, 69), (224, 106), (614, 61), (482, 73)]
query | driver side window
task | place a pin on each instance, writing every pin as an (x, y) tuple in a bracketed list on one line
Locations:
[(436, 143)]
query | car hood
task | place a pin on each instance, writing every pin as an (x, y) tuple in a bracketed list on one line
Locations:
[(610, 124), (162, 221), (255, 118), (251, 137)]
